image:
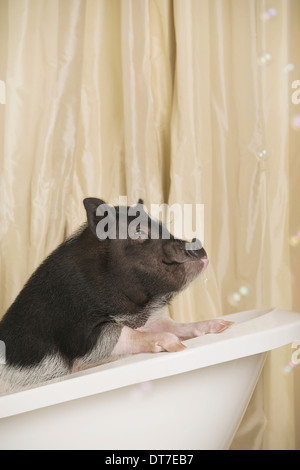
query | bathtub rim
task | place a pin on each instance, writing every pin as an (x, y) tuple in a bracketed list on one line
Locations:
[(254, 332)]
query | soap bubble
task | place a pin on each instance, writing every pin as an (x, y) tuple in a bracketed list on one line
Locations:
[(289, 67), (238, 298), (262, 155), (295, 239), (295, 122), (289, 367), (142, 389), (259, 151), (273, 11), (234, 298), (267, 15), (264, 59), (244, 290)]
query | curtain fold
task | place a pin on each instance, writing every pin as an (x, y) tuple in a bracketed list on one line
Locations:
[(171, 101)]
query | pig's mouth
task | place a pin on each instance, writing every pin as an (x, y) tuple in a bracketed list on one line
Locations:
[(195, 267), (204, 262), (199, 264)]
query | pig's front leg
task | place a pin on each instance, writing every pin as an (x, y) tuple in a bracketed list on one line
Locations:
[(122, 341), (134, 341), (185, 330)]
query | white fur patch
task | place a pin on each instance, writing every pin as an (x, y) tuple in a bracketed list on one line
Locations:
[(13, 379)]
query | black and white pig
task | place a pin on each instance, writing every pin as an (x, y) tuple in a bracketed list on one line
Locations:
[(95, 298)]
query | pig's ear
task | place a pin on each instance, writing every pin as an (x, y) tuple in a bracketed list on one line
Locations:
[(91, 204)]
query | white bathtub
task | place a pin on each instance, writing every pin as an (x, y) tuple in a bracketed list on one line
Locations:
[(194, 399)]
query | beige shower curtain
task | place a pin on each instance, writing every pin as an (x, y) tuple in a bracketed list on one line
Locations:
[(185, 101)]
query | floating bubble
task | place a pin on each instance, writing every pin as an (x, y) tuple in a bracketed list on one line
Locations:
[(273, 11), (289, 67), (295, 239), (262, 155), (238, 297), (289, 367), (265, 59), (146, 386), (244, 290), (267, 15), (295, 122), (142, 389), (234, 299)]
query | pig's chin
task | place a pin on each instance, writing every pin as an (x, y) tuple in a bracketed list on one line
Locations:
[(193, 269)]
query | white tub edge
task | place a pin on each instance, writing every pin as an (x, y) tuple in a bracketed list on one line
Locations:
[(254, 332)]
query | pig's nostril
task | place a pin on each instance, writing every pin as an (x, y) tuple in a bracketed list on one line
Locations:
[(192, 254), (197, 253)]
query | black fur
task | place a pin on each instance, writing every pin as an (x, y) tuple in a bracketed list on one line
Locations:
[(86, 285)]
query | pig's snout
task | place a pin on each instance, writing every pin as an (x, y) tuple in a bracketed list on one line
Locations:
[(196, 252), (195, 249), (179, 251), (199, 255), (198, 260)]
